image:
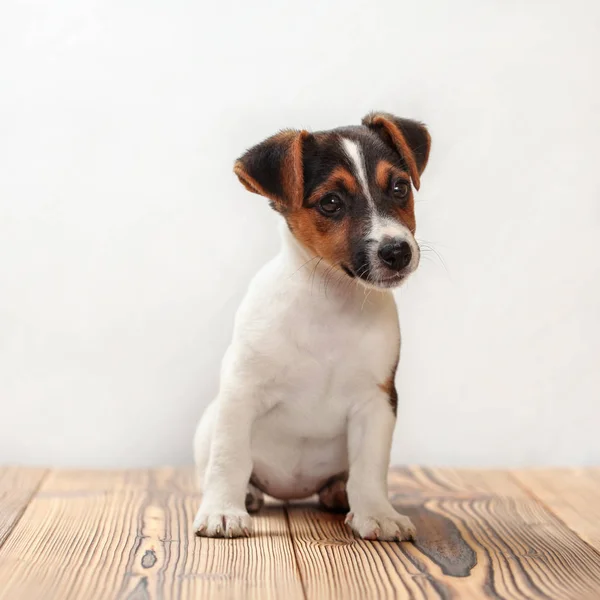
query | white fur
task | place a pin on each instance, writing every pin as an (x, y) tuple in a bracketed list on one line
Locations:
[(300, 400), (355, 154)]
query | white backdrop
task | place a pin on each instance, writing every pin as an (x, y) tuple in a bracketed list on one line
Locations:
[(126, 242)]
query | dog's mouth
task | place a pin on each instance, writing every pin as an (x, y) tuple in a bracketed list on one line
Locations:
[(366, 276), (393, 281), (347, 270)]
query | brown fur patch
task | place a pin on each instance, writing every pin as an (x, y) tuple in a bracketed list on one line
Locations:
[(389, 386), (406, 214), (250, 183), (291, 171), (292, 176), (384, 171), (326, 237), (340, 176), (401, 145)]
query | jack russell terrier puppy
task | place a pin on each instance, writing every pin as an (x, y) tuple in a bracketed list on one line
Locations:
[(307, 401)]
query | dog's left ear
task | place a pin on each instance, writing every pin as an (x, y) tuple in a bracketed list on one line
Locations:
[(408, 138), (274, 169)]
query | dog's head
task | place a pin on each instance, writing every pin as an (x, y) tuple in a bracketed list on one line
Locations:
[(347, 194)]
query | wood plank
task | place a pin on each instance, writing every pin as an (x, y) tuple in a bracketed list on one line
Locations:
[(127, 535), (17, 487), (335, 565), (479, 535), (573, 495)]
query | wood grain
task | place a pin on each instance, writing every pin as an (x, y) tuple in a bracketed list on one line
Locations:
[(127, 535), (573, 495), (335, 565), (17, 487), (480, 535), (521, 550)]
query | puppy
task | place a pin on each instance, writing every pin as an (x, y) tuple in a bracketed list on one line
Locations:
[(307, 401)]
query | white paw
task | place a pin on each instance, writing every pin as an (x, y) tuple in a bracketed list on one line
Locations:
[(227, 522), (385, 525)]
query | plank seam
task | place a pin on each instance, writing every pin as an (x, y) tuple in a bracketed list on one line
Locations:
[(294, 549), (532, 495), (34, 491)]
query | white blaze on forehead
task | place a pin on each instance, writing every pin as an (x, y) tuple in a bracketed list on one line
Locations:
[(354, 153)]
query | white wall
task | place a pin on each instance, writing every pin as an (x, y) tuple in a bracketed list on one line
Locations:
[(126, 242)]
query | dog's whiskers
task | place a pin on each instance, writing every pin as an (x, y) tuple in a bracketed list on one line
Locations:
[(328, 275), (367, 294), (428, 247), (302, 266), (314, 271)]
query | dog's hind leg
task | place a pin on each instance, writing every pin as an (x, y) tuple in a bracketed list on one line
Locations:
[(333, 496), (254, 499)]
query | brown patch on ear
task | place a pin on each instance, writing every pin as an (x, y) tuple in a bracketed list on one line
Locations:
[(274, 169), (410, 139), (293, 171), (401, 145), (339, 176), (249, 183)]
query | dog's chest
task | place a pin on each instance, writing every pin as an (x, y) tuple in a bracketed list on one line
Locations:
[(317, 363), (324, 361)]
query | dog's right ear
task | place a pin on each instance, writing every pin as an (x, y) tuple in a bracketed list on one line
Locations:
[(274, 169)]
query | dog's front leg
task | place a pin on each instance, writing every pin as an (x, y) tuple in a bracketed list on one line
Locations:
[(371, 515), (222, 512)]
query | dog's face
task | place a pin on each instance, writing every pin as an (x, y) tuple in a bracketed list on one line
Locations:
[(347, 194)]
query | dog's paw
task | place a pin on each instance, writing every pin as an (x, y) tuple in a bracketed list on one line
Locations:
[(223, 523), (388, 525)]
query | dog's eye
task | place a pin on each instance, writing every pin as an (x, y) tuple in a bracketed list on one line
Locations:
[(330, 205), (400, 188)]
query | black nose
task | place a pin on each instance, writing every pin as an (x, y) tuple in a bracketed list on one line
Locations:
[(395, 254)]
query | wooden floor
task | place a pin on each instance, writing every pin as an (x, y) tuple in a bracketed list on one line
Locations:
[(127, 535)]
